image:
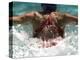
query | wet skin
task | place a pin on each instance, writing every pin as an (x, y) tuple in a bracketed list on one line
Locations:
[(45, 32)]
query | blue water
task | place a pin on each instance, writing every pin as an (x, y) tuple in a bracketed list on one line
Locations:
[(23, 7)]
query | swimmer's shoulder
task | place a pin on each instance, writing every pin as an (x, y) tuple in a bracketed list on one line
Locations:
[(59, 15)]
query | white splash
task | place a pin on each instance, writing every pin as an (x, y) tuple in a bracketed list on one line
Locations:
[(26, 46)]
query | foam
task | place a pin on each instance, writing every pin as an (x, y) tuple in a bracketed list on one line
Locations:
[(26, 46)]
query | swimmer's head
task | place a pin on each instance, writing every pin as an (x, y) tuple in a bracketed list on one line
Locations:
[(48, 8)]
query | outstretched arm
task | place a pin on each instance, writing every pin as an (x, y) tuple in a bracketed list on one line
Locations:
[(70, 18), (25, 17), (64, 17), (22, 18)]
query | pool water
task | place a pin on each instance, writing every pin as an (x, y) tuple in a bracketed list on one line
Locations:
[(26, 46)]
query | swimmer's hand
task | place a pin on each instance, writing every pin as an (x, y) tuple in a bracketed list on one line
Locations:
[(16, 19)]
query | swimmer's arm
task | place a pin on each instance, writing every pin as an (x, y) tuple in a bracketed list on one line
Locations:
[(70, 18), (25, 17), (22, 18)]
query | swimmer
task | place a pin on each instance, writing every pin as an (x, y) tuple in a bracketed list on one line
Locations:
[(46, 26)]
